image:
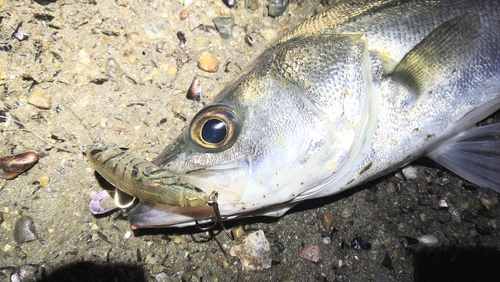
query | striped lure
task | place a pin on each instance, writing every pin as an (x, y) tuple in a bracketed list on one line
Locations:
[(142, 179)]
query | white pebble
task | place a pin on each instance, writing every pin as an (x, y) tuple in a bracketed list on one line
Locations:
[(410, 172), (268, 34), (427, 239)]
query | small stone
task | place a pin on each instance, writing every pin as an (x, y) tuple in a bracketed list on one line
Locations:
[(252, 5), (311, 252), (208, 62), (26, 273), (327, 221), (39, 99), (254, 253), (410, 172), (177, 240), (24, 230), (268, 34), (44, 180), (225, 26), (277, 7), (346, 213), (134, 38), (238, 232), (487, 202), (184, 14), (427, 240)]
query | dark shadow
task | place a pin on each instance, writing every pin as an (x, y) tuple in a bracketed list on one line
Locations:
[(45, 2), (457, 264), (96, 272)]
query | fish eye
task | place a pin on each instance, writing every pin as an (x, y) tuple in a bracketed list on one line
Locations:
[(213, 131), (214, 127)]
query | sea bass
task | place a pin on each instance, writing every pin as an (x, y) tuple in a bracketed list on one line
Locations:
[(347, 96)]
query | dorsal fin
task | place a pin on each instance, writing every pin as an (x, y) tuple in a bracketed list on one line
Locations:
[(441, 53), (331, 18)]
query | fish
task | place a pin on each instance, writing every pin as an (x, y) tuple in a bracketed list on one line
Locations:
[(349, 95)]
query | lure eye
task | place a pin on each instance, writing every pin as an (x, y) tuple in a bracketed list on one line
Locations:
[(215, 127)]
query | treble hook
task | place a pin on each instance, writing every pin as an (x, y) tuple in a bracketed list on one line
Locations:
[(212, 201)]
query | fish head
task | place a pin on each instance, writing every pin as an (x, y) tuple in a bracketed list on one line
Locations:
[(269, 136)]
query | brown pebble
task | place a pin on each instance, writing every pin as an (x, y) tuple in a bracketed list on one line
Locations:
[(24, 230), (134, 38), (487, 202), (238, 232), (310, 252), (183, 15), (39, 99), (208, 62), (12, 166), (327, 221)]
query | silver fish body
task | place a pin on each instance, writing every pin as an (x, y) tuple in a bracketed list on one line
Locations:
[(348, 96)]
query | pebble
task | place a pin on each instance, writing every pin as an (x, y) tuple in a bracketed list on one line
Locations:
[(113, 69), (268, 34), (24, 230), (254, 253), (487, 203), (327, 221), (44, 180), (311, 252), (225, 26), (410, 172), (26, 273), (12, 166), (277, 7), (184, 14), (427, 240), (39, 99), (252, 5), (208, 62), (346, 213), (134, 38), (238, 232)]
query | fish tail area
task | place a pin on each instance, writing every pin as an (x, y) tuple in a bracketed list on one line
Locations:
[(474, 154)]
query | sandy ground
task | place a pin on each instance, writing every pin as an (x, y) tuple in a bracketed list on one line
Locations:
[(114, 77)]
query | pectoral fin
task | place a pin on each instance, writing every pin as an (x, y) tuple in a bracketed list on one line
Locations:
[(474, 155), (440, 55)]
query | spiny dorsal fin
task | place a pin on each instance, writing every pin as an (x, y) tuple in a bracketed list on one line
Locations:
[(331, 18), (440, 53)]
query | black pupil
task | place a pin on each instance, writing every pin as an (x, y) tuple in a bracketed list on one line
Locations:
[(213, 131)]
